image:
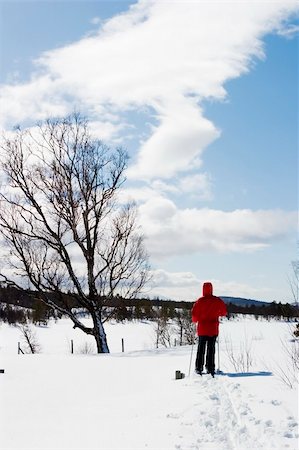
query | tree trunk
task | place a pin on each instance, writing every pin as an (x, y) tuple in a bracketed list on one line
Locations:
[(99, 333)]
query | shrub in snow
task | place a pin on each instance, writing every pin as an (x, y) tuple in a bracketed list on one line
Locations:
[(29, 339), (241, 358), (163, 332), (86, 348), (289, 370), (185, 329)]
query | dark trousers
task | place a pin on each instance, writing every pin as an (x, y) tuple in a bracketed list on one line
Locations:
[(206, 348)]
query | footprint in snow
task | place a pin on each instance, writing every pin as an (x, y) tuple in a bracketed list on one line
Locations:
[(292, 431), (208, 423), (289, 435), (276, 402), (234, 387)]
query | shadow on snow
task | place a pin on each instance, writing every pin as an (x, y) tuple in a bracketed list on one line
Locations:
[(246, 374)]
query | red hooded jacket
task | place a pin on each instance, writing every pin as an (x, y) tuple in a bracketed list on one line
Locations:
[(206, 312)]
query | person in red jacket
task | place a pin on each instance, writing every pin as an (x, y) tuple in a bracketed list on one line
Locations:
[(206, 312)]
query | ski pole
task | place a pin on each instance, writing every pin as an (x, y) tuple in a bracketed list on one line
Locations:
[(193, 338), (218, 354)]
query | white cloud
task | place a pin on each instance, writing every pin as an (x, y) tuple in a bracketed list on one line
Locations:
[(140, 194), (176, 144), (159, 54), (199, 185), (162, 186), (105, 130), (288, 31), (96, 21), (175, 285), (173, 231), (164, 278), (188, 287)]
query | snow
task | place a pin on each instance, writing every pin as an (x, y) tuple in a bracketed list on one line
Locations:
[(62, 401)]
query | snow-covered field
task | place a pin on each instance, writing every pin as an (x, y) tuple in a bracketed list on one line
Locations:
[(131, 400)]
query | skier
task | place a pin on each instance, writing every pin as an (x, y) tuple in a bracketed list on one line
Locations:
[(206, 312)]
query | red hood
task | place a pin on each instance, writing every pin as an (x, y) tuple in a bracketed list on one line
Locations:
[(207, 289)]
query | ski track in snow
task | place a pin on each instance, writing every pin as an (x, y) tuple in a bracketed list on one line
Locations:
[(227, 422)]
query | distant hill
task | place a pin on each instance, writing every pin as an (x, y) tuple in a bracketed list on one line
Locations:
[(243, 301), (239, 301)]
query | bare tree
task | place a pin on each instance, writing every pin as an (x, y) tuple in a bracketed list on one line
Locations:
[(29, 339), (66, 232), (294, 281), (163, 332), (241, 359), (185, 329)]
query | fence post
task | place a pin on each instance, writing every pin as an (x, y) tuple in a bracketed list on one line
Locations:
[(72, 346), (122, 345)]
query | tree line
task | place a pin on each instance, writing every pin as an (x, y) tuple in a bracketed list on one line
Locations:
[(17, 306)]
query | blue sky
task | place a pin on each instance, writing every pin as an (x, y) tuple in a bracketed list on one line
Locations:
[(260, 119), (207, 111)]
